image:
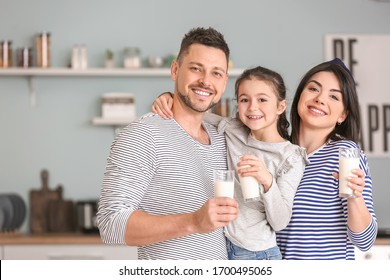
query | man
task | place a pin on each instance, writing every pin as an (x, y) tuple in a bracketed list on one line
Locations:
[(157, 191)]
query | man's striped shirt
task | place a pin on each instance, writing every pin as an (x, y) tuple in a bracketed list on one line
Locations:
[(155, 166)]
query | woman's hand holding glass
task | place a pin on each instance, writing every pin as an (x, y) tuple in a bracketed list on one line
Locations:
[(355, 183)]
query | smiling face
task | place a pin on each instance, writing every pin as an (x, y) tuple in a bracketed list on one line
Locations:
[(259, 108), (200, 77), (321, 103)]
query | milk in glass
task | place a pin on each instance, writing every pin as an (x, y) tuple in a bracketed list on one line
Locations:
[(249, 187), (224, 188), (224, 183), (348, 160)]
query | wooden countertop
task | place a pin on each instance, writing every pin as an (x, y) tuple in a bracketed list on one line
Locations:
[(49, 238), (382, 241)]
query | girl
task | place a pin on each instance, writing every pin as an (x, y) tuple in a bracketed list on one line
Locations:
[(258, 133)]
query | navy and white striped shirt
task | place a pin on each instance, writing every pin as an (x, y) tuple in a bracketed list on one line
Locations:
[(318, 227), (156, 167)]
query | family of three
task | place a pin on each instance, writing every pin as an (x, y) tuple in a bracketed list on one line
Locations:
[(157, 192)]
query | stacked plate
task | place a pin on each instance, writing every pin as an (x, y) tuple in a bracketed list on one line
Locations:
[(12, 212)]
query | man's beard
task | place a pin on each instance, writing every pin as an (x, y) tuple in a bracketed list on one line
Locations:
[(190, 105)]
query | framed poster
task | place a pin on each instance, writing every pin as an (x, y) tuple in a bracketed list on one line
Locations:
[(368, 58)]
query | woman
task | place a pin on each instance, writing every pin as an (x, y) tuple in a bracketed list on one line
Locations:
[(324, 117)]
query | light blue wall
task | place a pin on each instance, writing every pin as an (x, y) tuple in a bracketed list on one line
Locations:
[(57, 134)]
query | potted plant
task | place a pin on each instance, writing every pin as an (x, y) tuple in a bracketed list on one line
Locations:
[(109, 63)]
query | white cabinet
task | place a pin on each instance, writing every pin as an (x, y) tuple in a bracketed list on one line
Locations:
[(67, 252), (377, 252)]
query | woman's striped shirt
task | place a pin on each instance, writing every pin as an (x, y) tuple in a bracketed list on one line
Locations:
[(318, 227), (155, 166)]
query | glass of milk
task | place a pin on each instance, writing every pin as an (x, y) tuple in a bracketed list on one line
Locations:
[(348, 160), (249, 186), (224, 183)]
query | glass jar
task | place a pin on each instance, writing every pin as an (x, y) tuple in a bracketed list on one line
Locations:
[(83, 57), (131, 58), (24, 57), (5, 54), (43, 50), (79, 57)]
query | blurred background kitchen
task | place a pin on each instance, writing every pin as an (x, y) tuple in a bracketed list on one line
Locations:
[(101, 63)]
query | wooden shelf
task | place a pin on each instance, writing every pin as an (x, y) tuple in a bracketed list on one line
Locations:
[(90, 72), (111, 122), (94, 72), (34, 72)]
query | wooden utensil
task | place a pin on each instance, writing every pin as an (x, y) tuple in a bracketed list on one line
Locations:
[(39, 201)]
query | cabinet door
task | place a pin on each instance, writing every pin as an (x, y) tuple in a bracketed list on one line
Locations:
[(377, 252), (69, 252)]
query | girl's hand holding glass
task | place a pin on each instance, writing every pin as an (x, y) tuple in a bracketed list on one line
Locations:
[(256, 169)]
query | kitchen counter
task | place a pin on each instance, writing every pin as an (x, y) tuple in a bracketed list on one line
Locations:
[(61, 246), (382, 241), (49, 238), (17, 246), (79, 238)]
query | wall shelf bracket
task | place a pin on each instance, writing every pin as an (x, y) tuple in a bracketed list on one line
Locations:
[(32, 91)]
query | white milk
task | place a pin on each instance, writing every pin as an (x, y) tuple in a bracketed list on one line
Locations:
[(224, 188), (249, 187), (345, 167)]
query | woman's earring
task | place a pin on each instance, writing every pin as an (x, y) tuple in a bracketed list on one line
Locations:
[(338, 123)]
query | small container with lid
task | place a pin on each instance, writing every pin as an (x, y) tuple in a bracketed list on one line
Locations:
[(75, 60), (131, 57), (5, 54), (79, 57), (24, 57), (118, 105), (43, 49), (83, 57)]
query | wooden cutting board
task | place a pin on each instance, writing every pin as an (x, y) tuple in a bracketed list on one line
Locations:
[(39, 204), (62, 216)]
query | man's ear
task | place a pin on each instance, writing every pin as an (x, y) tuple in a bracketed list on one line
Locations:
[(174, 69)]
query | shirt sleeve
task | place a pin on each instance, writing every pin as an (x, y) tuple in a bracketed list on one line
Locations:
[(366, 238), (128, 172), (278, 201)]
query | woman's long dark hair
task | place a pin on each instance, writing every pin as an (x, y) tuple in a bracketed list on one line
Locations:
[(276, 81), (348, 129)]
